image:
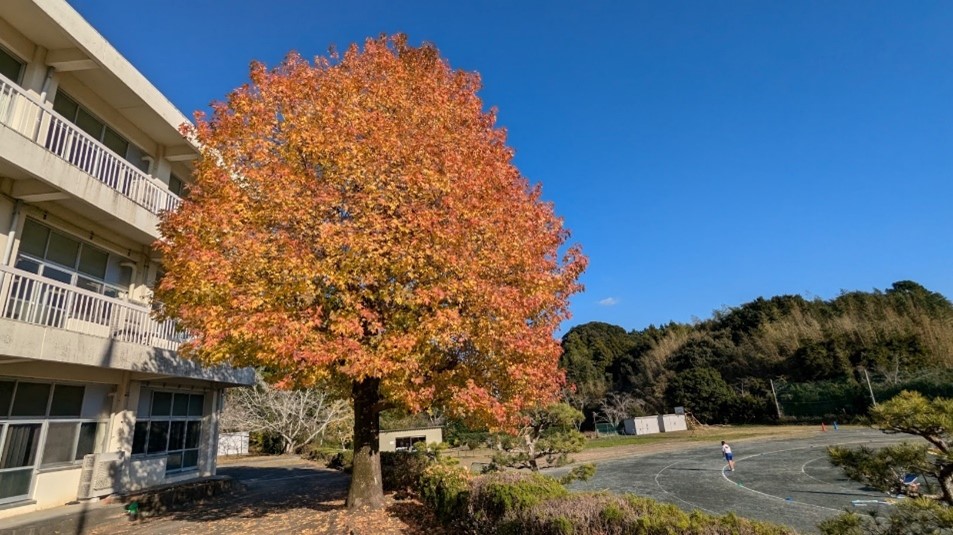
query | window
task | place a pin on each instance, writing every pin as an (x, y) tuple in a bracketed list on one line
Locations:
[(63, 258), (407, 443), (176, 185), (41, 425), (10, 66), (170, 423), (98, 130)]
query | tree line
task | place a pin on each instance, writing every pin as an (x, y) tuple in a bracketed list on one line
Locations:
[(721, 368)]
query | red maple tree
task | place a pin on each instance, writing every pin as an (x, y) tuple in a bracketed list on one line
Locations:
[(358, 222)]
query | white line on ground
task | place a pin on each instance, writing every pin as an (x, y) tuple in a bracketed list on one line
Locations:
[(725, 475), (676, 496)]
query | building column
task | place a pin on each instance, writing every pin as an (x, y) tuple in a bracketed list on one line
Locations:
[(122, 421), (208, 452)]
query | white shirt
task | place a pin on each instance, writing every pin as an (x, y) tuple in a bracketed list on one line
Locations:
[(726, 449)]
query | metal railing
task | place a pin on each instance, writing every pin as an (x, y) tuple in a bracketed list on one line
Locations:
[(22, 113), (41, 301)]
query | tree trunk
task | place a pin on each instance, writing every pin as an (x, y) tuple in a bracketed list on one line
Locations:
[(946, 483), (367, 488)]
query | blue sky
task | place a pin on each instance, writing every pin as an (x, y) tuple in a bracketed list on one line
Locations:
[(703, 153)]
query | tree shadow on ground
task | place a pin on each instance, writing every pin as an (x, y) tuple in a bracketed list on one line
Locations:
[(295, 498)]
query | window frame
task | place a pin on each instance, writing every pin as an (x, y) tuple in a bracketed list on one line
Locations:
[(107, 289), (16, 59), (7, 419), (104, 130), (170, 418), (411, 441)]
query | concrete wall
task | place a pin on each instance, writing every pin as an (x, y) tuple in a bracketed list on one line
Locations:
[(388, 439), (672, 422), (41, 343), (233, 444)]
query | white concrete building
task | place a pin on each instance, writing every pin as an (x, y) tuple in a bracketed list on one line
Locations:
[(90, 155), (404, 439)]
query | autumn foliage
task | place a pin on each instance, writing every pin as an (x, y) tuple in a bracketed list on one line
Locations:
[(358, 220)]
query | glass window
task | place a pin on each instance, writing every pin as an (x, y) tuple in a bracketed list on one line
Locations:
[(90, 284), (406, 443), (30, 399), (62, 250), (28, 265), (193, 433), (115, 142), (196, 401), (93, 261), (57, 274), (15, 483), (174, 462), (67, 401), (180, 405), (175, 185), (65, 106), (60, 440), (89, 124), (10, 66), (19, 446), (34, 238), (177, 435), (139, 436), (161, 403), (174, 427), (6, 395), (158, 436), (87, 439), (145, 403)]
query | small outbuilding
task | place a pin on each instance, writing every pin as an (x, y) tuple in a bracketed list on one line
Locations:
[(672, 422), (642, 425), (404, 439)]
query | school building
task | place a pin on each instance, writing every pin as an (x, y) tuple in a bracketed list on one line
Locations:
[(93, 397)]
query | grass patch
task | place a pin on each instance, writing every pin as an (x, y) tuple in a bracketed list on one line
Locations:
[(707, 435)]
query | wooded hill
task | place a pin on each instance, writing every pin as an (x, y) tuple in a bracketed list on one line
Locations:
[(720, 368)]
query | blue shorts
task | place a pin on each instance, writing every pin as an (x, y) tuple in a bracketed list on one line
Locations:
[(729, 456)]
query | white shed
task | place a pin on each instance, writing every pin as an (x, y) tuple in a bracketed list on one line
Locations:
[(672, 422), (642, 425), (404, 439)]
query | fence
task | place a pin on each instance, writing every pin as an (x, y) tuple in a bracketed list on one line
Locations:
[(20, 112), (40, 301)]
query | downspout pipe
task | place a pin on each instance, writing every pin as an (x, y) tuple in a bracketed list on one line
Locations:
[(12, 234)]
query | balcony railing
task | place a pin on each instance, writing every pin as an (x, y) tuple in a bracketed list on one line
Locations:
[(40, 301), (20, 112)]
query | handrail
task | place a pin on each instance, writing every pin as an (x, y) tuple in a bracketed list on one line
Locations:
[(28, 297), (23, 113)]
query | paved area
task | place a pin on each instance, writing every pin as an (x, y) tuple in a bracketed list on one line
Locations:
[(283, 493), (786, 481)]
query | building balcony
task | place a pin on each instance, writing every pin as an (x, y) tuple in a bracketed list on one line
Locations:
[(54, 135), (33, 299)]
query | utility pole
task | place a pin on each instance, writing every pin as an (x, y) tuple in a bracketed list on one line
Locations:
[(775, 394), (870, 388)]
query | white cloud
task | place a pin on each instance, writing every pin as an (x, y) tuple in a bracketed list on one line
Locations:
[(609, 301)]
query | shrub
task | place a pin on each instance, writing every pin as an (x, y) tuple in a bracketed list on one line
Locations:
[(401, 470), (318, 453), (264, 443), (445, 488), (342, 460), (908, 517), (611, 514), (496, 497)]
